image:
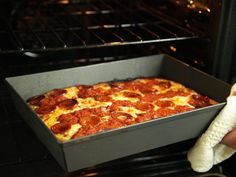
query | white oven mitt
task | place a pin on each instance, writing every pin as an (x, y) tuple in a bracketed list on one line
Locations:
[(208, 150)]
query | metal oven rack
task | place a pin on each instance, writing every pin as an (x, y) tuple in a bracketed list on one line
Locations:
[(36, 26)]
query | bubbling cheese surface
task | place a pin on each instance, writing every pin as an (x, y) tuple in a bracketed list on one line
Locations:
[(83, 110)]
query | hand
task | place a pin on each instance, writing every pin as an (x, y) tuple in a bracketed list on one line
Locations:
[(230, 139), (218, 142)]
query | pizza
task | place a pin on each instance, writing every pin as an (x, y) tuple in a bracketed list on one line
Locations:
[(83, 110)]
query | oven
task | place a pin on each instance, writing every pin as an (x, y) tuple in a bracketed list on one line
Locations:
[(37, 36)]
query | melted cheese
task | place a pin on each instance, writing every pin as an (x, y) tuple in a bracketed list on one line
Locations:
[(104, 86), (131, 111), (105, 118), (181, 101), (141, 80), (71, 92), (119, 96), (91, 103), (155, 107), (51, 119)]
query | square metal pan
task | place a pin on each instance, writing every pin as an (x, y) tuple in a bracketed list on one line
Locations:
[(105, 146)]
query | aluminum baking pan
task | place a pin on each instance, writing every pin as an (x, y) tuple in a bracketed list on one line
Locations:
[(105, 146)]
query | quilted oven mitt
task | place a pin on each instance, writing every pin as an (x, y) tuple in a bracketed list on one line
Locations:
[(208, 150)]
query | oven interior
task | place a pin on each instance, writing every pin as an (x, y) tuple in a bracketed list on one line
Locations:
[(38, 36), (94, 31)]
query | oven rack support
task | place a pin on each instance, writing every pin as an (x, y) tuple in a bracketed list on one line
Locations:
[(45, 26)]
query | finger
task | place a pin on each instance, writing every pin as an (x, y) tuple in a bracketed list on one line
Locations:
[(230, 139), (233, 90)]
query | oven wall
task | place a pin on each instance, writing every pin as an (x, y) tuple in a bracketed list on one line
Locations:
[(224, 55)]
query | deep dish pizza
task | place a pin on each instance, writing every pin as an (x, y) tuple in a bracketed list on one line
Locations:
[(83, 110)]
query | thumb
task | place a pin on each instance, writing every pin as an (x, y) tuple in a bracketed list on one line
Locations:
[(233, 90)]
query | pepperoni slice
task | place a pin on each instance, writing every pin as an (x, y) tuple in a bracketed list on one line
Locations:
[(151, 81), (131, 95), (123, 118), (93, 92), (180, 109), (108, 125), (68, 104), (60, 127), (60, 98), (48, 101), (83, 87), (199, 101), (181, 93), (171, 94), (116, 86), (163, 112), (102, 98), (86, 112), (150, 97), (36, 101), (114, 123), (82, 94), (69, 118), (91, 120), (129, 121), (121, 115), (117, 104), (144, 106), (45, 109), (85, 131), (83, 91), (89, 91), (148, 86), (129, 85), (83, 112), (145, 89), (90, 130), (168, 94), (164, 84), (164, 103), (98, 111), (145, 117), (57, 92)]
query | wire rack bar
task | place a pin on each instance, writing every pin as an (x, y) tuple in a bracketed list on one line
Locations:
[(54, 26)]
